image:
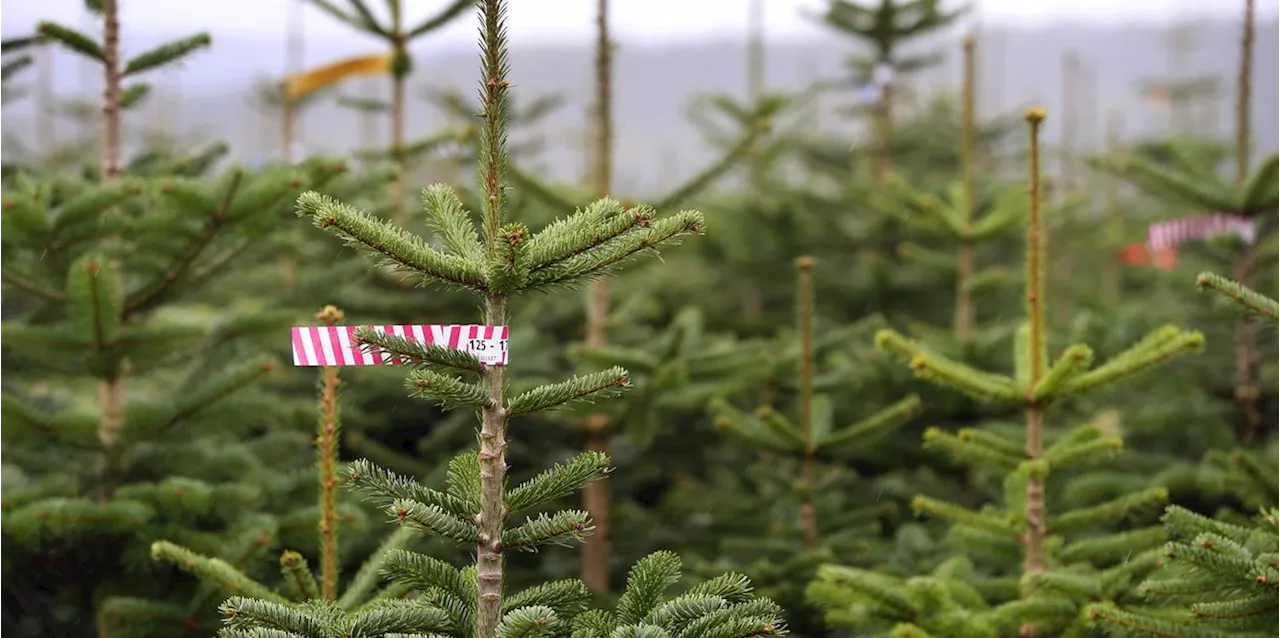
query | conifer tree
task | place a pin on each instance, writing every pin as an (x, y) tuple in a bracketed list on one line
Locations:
[(1220, 577), (814, 433), (810, 449), (110, 268), (222, 576), (497, 264), (1189, 180), (397, 36), (886, 25), (770, 199), (596, 553), (90, 492), (1061, 570), (968, 216)]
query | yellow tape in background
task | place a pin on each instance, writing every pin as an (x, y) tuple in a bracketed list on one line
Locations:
[(316, 79)]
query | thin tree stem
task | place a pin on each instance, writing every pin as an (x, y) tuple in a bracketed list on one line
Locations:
[(1033, 542), (1246, 335), (111, 390), (964, 311), (327, 451), (596, 497), (808, 509), (493, 444)]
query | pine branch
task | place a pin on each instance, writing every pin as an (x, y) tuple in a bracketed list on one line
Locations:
[(414, 352), (560, 528), (95, 299), (976, 448), (214, 570), (578, 388), (1252, 302), (451, 221), (433, 518), (167, 53), (601, 222), (385, 487), (981, 385), (26, 283), (1109, 511), (71, 39), (445, 390), (961, 516), (392, 244), (601, 260), (559, 481), (298, 576)]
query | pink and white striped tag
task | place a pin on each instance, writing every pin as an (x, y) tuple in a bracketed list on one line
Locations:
[(1171, 233), (335, 345)]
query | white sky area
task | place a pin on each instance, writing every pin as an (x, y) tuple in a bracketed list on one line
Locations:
[(631, 20)]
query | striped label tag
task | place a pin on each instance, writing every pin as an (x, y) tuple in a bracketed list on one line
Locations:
[(1171, 233), (336, 346)]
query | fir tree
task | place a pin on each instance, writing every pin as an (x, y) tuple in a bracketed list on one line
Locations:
[(1189, 180), (301, 584), (397, 35), (1061, 569), (505, 259), (807, 452), (814, 433), (969, 215), (597, 499), (887, 25), (1220, 578), (110, 269)]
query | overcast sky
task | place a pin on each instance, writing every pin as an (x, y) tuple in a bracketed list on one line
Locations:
[(632, 20)]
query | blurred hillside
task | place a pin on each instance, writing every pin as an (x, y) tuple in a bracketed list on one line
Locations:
[(210, 98)]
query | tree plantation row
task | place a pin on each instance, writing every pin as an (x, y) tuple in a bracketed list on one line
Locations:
[(907, 380)]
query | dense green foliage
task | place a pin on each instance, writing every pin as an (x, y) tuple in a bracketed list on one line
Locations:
[(774, 466)]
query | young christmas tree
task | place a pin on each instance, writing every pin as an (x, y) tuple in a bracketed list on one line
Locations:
[(886, 25), (114, 271), (1188, 177), (1220, 578), (597, 499), (496, 265), (976, 217), (221, 577), (1062, 567), (809, 455), (397, 36)]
